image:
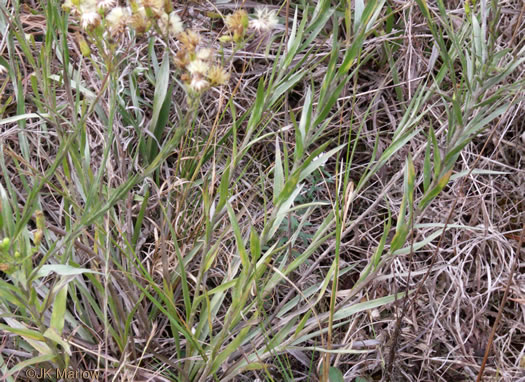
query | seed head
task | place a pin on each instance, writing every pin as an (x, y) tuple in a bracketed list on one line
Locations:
[(265, 20), (198, 67), (117, 20), (105, 4), (140, 21), (156, 6), (204, 54), (237, 22), (217, 75), (89, 19), (69, 6), (199, 84), (181, 59), (189, 39), (170, 24)]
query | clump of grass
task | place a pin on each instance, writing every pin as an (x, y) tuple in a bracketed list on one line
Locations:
[(199, 210)]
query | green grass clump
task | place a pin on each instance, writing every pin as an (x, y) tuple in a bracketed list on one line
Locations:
[(222, 197)]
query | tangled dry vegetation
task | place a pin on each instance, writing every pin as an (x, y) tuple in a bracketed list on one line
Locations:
[(205, 173)]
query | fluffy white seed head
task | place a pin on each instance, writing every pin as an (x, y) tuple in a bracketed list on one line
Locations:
[(198, 67), (199, 84), (170, 24), (106, 4), (265, 20), (118, 19)]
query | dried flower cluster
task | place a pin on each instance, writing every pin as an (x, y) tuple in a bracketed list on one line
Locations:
[(141, 15), (238, 23), (199, 70), (264, 20), (198, 65)]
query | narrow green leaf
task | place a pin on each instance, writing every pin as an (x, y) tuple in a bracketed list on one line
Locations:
[(477, 172), (161, 123), (293, 40), (29, 362), (160, 104), (330, 100), (302, 323), (419, 244), (427, 171), (402, 212), (429, 196), (456, 108), (288, 189), (367, 305), (478, 40), (358, 13), (286, 85), (316, 160), (253, 366), (223, 287), (278, 174), (319, 20), (256, 113), (22, 117), (223, 189), (59, 310), (62, 270), (140, 217), (437, 154), (281, 336), (377, 255), (6, 215), (35, 339), (283, 209), (75, 85), (411, 176), (330, 72), (232, 346), (478, 123), (306, 116), (255, 245), (371, 13), (26, 333), (52, 334), (399, 238), (238, 237)]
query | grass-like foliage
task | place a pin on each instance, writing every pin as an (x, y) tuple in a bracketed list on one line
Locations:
[(228, 192)]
